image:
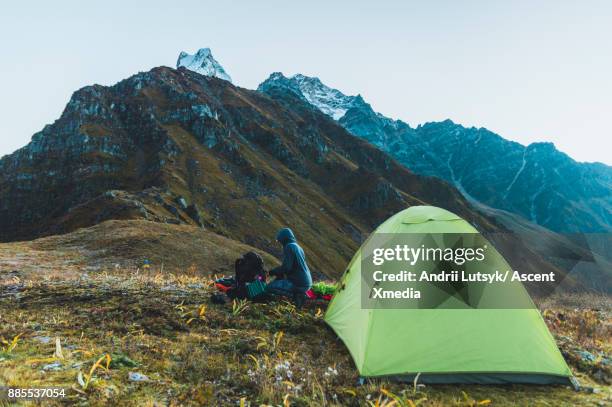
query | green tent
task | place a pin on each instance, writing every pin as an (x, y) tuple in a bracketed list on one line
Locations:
[(444, 345)]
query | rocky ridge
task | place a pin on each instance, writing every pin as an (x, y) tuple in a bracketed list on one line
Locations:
[(537, 182)]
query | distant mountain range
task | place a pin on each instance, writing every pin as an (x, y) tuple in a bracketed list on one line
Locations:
[(536, 181), (174, 146)]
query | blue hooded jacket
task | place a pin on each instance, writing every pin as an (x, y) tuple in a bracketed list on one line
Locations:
[(294, 261)]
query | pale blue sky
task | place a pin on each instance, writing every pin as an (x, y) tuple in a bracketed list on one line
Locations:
[(528, 70)]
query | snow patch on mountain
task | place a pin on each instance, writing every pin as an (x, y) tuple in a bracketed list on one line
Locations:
[(203, 63), (330, 101)]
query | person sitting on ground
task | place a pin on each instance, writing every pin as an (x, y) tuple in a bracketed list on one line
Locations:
[(293, 277)]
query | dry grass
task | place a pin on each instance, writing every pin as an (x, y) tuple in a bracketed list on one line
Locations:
[(197, 353), (125, 244)]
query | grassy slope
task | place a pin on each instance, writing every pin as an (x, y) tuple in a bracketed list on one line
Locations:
[(258, 223), (219, 354), (125, 244)]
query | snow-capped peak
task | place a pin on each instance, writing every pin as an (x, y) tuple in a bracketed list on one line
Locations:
[(330, 101), (203, 63)]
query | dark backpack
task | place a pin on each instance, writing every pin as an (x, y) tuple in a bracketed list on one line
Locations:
[(248, 268)]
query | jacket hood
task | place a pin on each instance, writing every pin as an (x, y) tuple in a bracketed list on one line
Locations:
[(285, 235)]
